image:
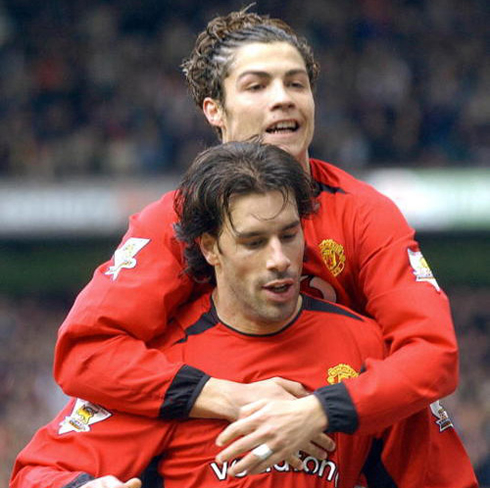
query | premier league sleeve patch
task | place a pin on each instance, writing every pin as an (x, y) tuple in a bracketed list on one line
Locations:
[(124, 257), (443, 420), (83, 415), (421, 268)]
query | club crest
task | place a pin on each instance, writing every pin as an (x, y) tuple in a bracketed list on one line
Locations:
[(333, 256), (341, 372)]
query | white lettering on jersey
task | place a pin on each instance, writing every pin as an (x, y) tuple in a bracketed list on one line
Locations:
[(325, 469), (124, 256), (421, 268), (82, 416)]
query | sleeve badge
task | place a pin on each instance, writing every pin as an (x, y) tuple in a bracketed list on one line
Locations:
[(443, 420), (83, 415), (124, 257), (421, 268)]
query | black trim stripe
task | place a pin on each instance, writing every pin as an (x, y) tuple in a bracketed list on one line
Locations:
[(375, 471), (79, 481), (151, 477), (182, 393), (315, 305), (205, 322), (337, 403), (329, 189)]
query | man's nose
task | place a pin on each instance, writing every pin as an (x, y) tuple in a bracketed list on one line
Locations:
[(280, 95), (277, 259)]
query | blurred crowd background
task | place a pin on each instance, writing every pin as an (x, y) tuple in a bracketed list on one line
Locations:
[(94, 89)]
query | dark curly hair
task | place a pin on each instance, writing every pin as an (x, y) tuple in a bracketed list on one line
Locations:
[(208, 64), (203, 199)]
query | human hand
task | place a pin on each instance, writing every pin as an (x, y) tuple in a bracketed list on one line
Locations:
[(285, 426), (112, 482), (224, 399)]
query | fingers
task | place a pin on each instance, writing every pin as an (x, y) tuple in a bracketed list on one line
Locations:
[(293, 387), (112, 482), (133, 483), (325, 442), (240, 446), (238, 428), (284, 426), (295, 462), (251, 408), (251, 464), (315, 451)]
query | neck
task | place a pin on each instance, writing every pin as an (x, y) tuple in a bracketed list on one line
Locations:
[(250, 321), (305, 163)]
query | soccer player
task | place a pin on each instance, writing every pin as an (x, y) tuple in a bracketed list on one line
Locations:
[(240, 210), (252, 75)]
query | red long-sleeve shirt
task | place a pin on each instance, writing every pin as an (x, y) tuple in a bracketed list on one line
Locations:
[(360, 253), (324, 343)]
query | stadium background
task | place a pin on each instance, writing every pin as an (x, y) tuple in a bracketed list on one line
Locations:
[(95, 122)]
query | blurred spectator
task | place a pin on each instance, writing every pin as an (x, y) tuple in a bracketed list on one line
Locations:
[(93, 87)]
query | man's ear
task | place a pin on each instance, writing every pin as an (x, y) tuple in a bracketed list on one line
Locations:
[(213, 111), (209, 248)]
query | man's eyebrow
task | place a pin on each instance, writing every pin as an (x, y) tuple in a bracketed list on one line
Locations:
[(248, 235), (265, 74)]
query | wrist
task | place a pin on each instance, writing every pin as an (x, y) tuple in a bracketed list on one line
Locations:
[(217, 400), (314, 412)]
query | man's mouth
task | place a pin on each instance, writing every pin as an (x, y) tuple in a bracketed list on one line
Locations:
[(279, 286), (283, 127)]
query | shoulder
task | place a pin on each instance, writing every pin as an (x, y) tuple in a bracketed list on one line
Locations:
[(334, 180), (161, 209), (345, 323), (155, 221), (316, 305), (357, 199)]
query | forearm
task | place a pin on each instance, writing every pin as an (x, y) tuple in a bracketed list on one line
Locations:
[(218, 399), (118, 372), (385, 393), (224, 399)]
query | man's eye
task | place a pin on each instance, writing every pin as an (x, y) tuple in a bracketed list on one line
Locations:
[(255, 87), (289, 237), (254, 244)]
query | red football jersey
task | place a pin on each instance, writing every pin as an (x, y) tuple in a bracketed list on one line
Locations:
[(361, 253), (323, 344)]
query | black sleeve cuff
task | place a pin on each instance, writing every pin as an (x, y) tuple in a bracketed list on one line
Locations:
[(79, 481), (340, 410), (180, 397)]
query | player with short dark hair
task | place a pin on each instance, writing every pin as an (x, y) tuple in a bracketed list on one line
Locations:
[(360, 252), (203, 200), (241, 207)]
